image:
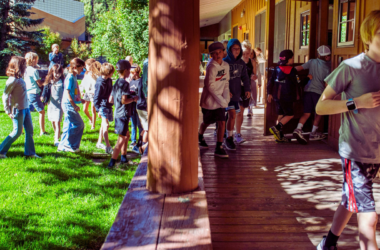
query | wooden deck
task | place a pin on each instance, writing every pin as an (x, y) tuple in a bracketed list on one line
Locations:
[(273, 196)]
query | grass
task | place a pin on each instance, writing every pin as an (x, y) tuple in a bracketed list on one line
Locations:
[(62, 201)]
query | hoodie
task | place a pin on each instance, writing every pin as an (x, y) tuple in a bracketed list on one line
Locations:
[(103, 89), (283, 84), (238, 72)]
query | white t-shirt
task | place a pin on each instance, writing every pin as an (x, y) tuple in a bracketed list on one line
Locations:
[(30, 77)]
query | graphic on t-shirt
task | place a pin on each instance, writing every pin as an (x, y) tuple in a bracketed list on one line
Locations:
[(235, 71), (220, 75)]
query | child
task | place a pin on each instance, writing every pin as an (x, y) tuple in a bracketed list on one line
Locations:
[(33, 84), (122, 99), (133, 88), (87, 88), (319, 69), (16, 106), (255, 74), (238, 74), (357, 81), (215, 97), (55, 57), (52, 94), (282, 88), (103, 89), (73, 125)]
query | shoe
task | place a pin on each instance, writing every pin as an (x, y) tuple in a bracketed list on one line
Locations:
[(239, 139), (321, 245), (249, 113), (220, 152), (3, 156), (34, 156), (132, 144), (56, 143), (215, 132), (111, 165), (203, 144), (101, 146), (109, 150), (317, 136), (298, 135), (275, 132), (136, 150), (68, 149), (44, 133), (283, 140), (230, 145)]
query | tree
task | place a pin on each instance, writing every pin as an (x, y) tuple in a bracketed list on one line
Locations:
[(49, 38), (14, 20), (123, 31), (80, 50)]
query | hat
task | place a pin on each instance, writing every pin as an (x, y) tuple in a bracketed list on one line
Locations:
[(215, 46), (123, 65), (324, 50), (285, 55)]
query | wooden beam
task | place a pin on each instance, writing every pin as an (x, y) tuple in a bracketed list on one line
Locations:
[(323, 22), (313, 30), (174, 35)]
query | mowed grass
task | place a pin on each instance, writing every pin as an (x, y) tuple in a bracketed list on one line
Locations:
[(62, 201)]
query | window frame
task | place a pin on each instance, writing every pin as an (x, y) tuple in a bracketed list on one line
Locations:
[(353, 21), (306, 31)]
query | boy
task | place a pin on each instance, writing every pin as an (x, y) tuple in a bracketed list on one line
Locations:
[(215, 97), (357, 80), (133, 80), (319, 69), (103, 89), (121, 98), (55, 57), (282, 88), (238, 74)]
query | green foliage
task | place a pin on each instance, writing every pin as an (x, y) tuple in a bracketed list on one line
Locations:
[(123, 31), (48, 40), (81, 50)]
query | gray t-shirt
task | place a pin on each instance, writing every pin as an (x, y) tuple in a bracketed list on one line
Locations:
[(14, 95), (359, 138), (319, 69)]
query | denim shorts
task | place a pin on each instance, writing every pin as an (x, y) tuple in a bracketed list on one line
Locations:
[(34, 99), (233, 105), (106, 113), (122, 126)]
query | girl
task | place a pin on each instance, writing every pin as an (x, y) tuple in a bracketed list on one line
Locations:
[(16, 105), (52, 94), (88, 85), (73, 124), (55, 57), (33, 84), (252, 61), (133, 87)]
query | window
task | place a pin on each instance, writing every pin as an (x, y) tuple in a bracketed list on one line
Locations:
[(235, 32), (260, 20), (305, 29), (346, 22)]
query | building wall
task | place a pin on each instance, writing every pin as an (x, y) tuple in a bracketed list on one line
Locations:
[(211, 31)]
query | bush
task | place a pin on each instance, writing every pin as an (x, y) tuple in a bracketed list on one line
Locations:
[(49, 38)]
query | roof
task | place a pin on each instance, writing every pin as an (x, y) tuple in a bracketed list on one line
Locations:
[(69, 10), (213, 11)]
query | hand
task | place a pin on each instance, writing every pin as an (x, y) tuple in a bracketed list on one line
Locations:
[(230, 95), (254, 77), (82, 101), (259, 85), (56, 50), (270, 98), (76, 108), (368, 101), (42, 99), (310, 76), (11, 115), (247, 94)]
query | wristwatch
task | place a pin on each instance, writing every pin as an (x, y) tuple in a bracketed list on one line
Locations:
[(351, 105)]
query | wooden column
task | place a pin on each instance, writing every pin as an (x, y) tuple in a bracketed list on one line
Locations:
[(174, 36), (323, 23), (313, 30)]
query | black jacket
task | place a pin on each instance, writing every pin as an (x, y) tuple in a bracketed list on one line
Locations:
[(283, 84), (46, 93), (103, 89), (141, 103)]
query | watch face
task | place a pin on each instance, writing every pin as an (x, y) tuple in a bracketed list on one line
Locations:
[(351, 105)]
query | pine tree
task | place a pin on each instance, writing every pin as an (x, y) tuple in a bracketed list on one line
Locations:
[(14, 19)]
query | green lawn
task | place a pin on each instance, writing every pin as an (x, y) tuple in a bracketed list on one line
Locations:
[(62, 201)]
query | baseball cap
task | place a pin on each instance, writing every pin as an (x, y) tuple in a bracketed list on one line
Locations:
[(215, 46), (324, 50), (123, 65)]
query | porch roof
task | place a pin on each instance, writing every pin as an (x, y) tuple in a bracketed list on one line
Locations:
[(213, 11)]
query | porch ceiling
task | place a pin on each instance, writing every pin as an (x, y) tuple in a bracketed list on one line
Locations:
[(213, 11)]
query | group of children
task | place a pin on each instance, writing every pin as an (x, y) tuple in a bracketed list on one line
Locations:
[(62, 94)]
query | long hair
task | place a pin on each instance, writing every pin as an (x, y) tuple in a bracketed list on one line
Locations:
[(94, 68), (30, 57), (16, 67), (136, 68), (75, 63), (58, 70), (253, 56)]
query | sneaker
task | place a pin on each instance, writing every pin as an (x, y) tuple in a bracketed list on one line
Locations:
[(44, 133), (275, 132), (136, 150), (215, 132), (220, 152), (34, 156), (249, 113), (2, 156), (101, 146), (203, 144), (298, 135), (111, 165), (321, 245), (109, 150), (283, 140), (68, 149), (239, 139), (56, 143), (317, 136), (132, 144), (230, 145)]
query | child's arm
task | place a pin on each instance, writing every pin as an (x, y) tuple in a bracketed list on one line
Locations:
[(211, 83), (52, 56), (6, 94), (44, 93), (246, 82), (126, 100), (98, 90), (271, 85)]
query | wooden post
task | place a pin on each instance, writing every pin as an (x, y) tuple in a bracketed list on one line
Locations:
[(313, 30), (323, 23), (173, 101)]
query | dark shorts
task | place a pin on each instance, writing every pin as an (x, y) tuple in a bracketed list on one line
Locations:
[(357, 195), (106, 113), (233, 106), (35, 101), (122, 126), (310, 100), (244, 102), (284, 108), (211, 116)]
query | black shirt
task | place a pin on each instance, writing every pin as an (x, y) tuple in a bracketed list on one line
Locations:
[(121, 88), (141, 103), (103, 89)]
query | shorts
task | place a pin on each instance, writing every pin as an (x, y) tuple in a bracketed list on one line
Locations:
[(122, 126), (357, 195), (310, 100), (284, 108), (35, 101), (211, 116), (244, 102), (106, 113), (143, 115), (233, 105), (88, 97)]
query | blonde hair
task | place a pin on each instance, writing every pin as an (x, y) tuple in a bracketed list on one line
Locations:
[(129, 59), (30, 57), (16, 67), (107, 69), (369, 27), (54, 45), (246, 45), (136, 68), (94, 68)]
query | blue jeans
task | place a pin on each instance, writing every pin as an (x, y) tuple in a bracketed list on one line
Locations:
[(135, 123), (22, 117), (73, 127)]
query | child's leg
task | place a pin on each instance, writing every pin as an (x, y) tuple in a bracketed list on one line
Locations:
[(231, 122), (120, 144), (220, 133), (105, 126), (93, 115), (59, 130), (284, 120), (85, 110), (18, 122), (341, 218), (53, 125), (304, 118), (367, 230), (239, 120), (145, 136), (28, 126), (124, 148), (42, 121), (100, 138), (203, 128)]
